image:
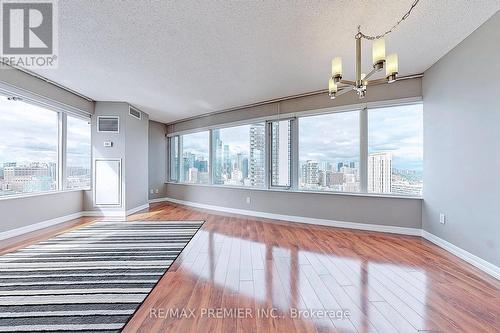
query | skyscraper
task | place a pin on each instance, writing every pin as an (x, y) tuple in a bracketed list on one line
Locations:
[(217, 142), (380, 172), (310, 174), (256, 170)]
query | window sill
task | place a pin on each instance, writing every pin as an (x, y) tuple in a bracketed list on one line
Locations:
[(354, 194), (29, 195)]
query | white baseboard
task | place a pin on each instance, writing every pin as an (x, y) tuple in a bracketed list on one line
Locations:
[(300, 219), (157, 200), (57, 220), (115, 213), (138, 208), (38, 226), (472, 259)]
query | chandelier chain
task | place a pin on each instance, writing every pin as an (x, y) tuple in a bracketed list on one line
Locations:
[(405, 16)]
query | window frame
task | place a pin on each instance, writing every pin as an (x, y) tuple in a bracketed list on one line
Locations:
[(362, 108), (169, 159), (64, 150), (62, 112), (179, 151), (269, 153), (361, 127)]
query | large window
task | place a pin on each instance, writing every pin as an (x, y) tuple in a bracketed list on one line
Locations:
[(33, 157), (372, 150), (28, 148), (395, 150), (329, 152), (240, 155), (78, 150), (194, 158), (281, 153)]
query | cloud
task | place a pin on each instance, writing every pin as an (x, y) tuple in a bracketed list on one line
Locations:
[(29, 133)]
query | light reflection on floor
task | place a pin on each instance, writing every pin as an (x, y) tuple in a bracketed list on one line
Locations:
[(298, 276)]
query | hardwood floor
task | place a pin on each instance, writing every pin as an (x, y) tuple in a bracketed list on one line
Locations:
[(272, 276)]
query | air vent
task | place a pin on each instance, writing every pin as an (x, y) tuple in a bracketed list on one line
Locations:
[(109, 124), (134, 113)]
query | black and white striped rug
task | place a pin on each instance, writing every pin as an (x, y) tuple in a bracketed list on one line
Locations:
[(91, 279)]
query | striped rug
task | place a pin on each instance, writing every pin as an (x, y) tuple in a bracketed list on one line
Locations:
[(91, 279)]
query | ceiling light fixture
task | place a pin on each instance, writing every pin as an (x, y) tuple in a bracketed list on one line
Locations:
[(338, 86)]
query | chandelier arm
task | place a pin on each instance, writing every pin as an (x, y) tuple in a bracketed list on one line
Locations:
[(373, 71)]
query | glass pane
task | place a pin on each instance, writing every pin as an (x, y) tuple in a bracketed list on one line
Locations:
[(174, 158), (28, 148), (329, 152), (281, 152), (78, 152), (195, 161), (395, 150), (240, 155)]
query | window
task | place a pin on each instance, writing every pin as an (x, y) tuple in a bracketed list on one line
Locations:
[(395, 150), (329, 152), (78, 152), (281, 153), (240, 155), (28, 148), (377, 150), (194, 162), (174, 158)]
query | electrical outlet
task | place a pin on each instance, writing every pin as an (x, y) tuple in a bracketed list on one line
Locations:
[(151, 191), (156, 191), (248, 200), (442, 218)]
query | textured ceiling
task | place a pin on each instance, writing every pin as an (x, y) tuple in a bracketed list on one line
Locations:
[(176, 59)]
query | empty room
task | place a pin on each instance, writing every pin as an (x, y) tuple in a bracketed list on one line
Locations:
[(249, 166)]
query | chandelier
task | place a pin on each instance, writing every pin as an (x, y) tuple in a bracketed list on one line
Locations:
[(338, 86)]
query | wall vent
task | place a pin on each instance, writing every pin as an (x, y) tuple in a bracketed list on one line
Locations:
[(108, 124), (134, 113)]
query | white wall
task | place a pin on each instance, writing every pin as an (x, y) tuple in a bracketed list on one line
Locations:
[(462, 144), (24, 211), (131, 146), (157, 159)]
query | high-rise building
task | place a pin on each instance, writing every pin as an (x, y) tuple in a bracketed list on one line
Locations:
[(227, 160), (256, 170), (217, 142), (325, 166), (244, 167), (379, 172), (192, 175), (310, 174)]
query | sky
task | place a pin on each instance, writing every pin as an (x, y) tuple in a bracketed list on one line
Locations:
[(29, 133), (398, 130), (335, 137)]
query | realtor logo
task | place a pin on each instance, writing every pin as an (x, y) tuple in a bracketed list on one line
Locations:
[(29, 36)]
